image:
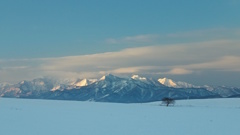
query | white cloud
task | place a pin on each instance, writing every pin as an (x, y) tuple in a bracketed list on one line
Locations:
[(175, 59), (190, 36), (14, 68), (227, 63), (179, 71), (140, 38), (132, 69), (203, 33), (112, 41), (134, 39)]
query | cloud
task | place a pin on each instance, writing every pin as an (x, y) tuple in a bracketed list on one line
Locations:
[(112, 41), (225, 63), (132, 69), (216, 32), (140, 38), (173, 59), (13, 68), (133, 39), (179, 71), (190, 36)]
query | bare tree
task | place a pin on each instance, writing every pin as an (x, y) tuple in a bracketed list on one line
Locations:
[(167, 101)]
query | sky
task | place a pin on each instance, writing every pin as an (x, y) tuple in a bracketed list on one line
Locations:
[(193, 41)]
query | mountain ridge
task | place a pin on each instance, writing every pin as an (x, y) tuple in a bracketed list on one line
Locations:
[(111, 88)]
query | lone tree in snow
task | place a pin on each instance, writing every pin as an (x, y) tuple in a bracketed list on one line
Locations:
[(167, 101)]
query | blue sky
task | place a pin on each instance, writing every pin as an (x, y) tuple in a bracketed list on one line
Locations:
[(52, 29)]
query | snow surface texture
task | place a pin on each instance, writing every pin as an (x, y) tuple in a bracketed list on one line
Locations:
[(187, 117)]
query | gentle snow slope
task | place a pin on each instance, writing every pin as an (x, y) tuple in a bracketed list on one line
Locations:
[(187, 117)]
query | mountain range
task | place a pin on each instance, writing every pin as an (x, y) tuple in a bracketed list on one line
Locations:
[(110, 88)]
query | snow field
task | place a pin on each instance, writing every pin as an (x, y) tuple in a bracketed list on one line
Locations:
[(52, 117)]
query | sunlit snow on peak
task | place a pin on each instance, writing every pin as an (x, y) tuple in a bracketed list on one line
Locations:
[(167, 82), (170, 83), (103, 78), (137, 77)]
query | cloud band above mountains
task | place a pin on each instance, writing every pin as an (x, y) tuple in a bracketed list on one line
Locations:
[(175, 59)]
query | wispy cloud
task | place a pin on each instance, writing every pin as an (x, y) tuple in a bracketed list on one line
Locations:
[(133, 39), (227, 63), (175, 59), (13, 68), (213, 33), (179, 71), (132, 70), (197, 35)]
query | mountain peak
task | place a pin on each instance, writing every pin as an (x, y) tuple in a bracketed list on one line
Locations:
[(108, 77), (167, 82), (170, 83), (113, 89), (103, 78), (137, 77), (83, 82)]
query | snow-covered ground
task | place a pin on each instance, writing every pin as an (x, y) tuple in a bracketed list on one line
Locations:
[(187, 117)]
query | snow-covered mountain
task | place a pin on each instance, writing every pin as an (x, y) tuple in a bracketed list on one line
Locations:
[(149, 81), (42, 85), (137, 77), (4, 84), (110, 88), (223, 91), (227, 91), (171, 83), (83, 82)]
